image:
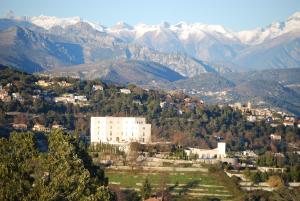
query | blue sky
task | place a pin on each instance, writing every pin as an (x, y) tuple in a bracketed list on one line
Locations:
[(234, 14)]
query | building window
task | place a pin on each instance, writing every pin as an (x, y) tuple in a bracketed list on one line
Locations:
[(143, 134), (143, 128), (143, 140)]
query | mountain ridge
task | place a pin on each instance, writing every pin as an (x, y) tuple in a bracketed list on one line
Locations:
[(208, 43)]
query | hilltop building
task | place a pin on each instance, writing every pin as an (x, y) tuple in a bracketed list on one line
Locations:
[(119, 130)]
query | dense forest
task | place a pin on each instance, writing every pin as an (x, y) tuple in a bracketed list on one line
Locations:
[(186, 119)]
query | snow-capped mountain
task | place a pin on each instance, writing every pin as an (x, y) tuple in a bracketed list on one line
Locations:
[(183, 36), (182, 31), (185, 47), (47, 22), (260, 35)]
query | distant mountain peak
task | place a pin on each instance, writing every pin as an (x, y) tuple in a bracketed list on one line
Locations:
[(122, 25), (47, 22), (165, 25), (295, 16)]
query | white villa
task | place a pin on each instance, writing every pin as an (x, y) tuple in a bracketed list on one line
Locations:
[(219, 152), (120, 130)]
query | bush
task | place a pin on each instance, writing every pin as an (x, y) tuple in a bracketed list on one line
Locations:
[(275, 181)]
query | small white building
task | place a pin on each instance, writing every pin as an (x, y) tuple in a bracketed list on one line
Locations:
[(275, 137), (17, 96), (43, 83), (97, 87), (120, 130), (4, 96), (249, 153), (40, 128), (251, 118), (80, 98), (164, 104), (125, 91), (219, 152), (288, 123)]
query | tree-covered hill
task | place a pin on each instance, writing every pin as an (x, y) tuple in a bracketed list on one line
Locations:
[(173, 116)]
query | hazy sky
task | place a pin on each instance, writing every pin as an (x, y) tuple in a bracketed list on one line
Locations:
[(233, 14)]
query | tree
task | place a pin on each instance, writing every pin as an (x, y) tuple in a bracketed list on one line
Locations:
[(62, 173), (146, 189), (255, 177)]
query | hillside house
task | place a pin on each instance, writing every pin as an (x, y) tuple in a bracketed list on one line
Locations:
[(40, 128), (290, 118), (65, 98), (64, 84), (125, 91), (275, 137), (22, 127), (4, 96), (164, 104), (71, 98), (98, 88), (43, 83), (80, 98), (251, 118), (249, 153), (288, 123), (17, 96)]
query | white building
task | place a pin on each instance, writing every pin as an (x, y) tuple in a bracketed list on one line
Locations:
[(275, 137), (219, 152), (125, 91), (97, 87), (163, 104), (80, 98), (116, 130)]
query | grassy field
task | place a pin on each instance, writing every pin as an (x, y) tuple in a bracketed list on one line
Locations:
[(187, 185)]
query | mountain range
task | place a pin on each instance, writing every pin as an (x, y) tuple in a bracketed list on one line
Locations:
[(187, 48), (185, 56)]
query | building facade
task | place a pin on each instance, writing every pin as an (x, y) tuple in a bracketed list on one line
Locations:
[(118, 130), (219, 152)]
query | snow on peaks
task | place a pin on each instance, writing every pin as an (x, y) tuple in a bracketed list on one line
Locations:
[(295, 16), (121, 25), (165, 25), (47, 22)]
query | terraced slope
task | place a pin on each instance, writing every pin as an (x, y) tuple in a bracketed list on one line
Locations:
[(188, 185)]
